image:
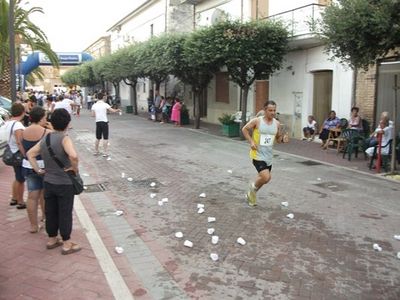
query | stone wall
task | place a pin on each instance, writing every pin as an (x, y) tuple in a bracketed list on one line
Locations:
[(365, 92)]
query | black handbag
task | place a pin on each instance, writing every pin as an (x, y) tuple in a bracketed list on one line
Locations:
[(77, 182), (9, 158)]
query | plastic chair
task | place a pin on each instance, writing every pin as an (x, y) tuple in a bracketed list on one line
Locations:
[(354, 141)]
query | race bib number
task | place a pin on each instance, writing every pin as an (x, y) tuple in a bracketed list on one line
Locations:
[(267, 139)]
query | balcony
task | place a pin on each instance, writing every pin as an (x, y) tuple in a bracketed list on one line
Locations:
[(299, 22)]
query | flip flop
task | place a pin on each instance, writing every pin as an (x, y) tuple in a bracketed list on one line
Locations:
[(13, 202), (21, 206), (55, 245), (74, 248)]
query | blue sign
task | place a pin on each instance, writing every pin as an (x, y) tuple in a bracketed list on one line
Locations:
[(64, 58)]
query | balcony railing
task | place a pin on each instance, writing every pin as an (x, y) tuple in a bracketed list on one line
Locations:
[(301, 20)]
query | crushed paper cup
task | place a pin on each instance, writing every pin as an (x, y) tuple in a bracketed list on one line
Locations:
[(241, 241), (200, 205), (153, 195), (108, 158), (214, 256), (85, 174), (377, 247), (119, 250), (130, 179), (398, 255), (200, 211), (85, 187), (319, 179), (290, 216), (164, 200), (119, 212), (160, 203), (122, 175), (120, 113), (188, 243), (397, 237), (230, 171), (214, 239), (210, 230), (179, 235), (285, 204), (153, 184), (211, 219), (202, 195)]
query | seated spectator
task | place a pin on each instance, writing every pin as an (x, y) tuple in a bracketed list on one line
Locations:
[(387, 134), (372, 140), (355, 119), (331, 122), (309, 130)]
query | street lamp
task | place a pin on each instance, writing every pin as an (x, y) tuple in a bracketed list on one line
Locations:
[(11, 37)]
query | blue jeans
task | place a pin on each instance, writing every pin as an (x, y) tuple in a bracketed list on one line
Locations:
[(33, 180), (59, 201)]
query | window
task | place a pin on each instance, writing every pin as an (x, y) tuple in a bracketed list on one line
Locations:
[(222, 87), (144, 87), (151, 30)]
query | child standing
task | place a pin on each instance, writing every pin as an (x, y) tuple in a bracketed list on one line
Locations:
[(176, 112)]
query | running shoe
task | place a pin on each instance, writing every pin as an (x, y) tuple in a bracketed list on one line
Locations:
[(251, 195)]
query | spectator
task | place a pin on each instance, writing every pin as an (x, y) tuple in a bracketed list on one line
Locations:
[(176, 112), (309, 130), (14, 130), (355, 119), (331, 122), (386, 130), (58, 189)]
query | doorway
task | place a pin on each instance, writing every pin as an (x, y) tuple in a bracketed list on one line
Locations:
[(262, 91), (322, 95)]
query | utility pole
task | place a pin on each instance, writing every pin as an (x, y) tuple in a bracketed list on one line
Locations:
[(11, 37), (393, 161)]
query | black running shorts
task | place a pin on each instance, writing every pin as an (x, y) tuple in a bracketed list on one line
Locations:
[(102, 130), (261, 165)]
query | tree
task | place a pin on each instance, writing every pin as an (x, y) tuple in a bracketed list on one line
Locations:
[(250, 51), (358, 32), (27, 33)]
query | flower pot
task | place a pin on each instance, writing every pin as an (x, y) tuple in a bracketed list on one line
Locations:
[(231, 130)]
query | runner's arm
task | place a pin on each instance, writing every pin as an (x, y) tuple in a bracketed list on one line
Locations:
[(250, 126)]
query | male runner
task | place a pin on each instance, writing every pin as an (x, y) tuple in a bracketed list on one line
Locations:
[(265, 131)]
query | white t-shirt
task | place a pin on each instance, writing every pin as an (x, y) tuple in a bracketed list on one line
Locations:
[(100, 110), (312, 124), (66, 104), (12, 141)]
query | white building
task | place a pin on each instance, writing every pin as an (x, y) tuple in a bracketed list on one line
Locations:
[(308, 84)]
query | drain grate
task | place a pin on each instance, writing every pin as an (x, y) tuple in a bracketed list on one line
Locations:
[(95, 188), (309, 163)]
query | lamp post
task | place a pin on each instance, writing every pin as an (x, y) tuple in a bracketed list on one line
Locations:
[(11, 37)]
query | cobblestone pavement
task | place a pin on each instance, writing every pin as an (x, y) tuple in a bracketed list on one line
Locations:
[(324, 252)]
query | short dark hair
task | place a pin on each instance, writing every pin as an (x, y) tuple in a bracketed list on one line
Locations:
[(60, 98), (60, 119), (269, 102), (17, 109), (355, 108), (36, 114), (100, 96)]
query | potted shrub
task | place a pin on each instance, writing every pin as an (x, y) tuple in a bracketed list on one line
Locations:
[(184, 115), (230, 128)]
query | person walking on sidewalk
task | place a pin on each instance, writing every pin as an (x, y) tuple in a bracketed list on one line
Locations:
[(31, 136), (14, 130), (261, 133), (99, 111), (58, 189)]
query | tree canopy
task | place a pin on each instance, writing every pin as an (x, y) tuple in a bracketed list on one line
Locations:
[(358, 32)]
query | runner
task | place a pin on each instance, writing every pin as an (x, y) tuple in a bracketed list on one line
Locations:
[(99, 111), (265, 131)]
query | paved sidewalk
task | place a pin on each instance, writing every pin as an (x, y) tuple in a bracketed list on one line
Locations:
[(325, 252)]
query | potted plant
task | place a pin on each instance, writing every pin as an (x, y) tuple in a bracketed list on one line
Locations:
[(184, 115), (230, 128)]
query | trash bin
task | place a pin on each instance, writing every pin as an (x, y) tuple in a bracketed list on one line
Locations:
[(129, 109)]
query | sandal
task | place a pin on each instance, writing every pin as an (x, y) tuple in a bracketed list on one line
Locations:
[(21, 206), (36, 230), (13, 202), (74, 248), (54, 245)]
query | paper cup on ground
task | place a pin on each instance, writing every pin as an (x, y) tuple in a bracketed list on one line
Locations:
[(153, 184), (129, 179), (285, 204), (153, 195), (397, 237), (210, 230), (200, 205), (119, 250), (122, 175), (179, 235), (214, 239), (211, 219), (119, 212), (377, 247), (398, 255), (290, 216), (200, 210), (214, 256), (188, 243), (164, 200), (230, 171), (160, 203), (241, 241), (202, 195)]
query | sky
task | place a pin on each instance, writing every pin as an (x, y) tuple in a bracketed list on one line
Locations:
[(73, 25)]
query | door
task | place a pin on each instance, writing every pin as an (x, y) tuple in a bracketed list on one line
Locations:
[(262, 91), (322, 95)]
